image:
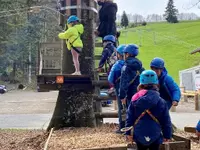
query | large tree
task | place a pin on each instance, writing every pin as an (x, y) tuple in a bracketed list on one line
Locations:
[(124, 20), (171, 12)]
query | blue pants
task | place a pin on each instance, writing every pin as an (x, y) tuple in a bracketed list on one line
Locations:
[(120, 107), (127, 103)]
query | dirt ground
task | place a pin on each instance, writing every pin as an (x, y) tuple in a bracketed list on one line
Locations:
[(69, 139), (22, 139)]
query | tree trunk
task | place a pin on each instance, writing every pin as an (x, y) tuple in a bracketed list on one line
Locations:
[(74, 106), (73, 109)]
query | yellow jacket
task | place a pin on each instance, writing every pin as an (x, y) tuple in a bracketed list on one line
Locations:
[(72, 36)]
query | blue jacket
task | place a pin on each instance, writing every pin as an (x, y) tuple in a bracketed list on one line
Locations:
[(129, 71), (115, 73), (146, 126), (169, 90), (198, 126), (106, 54)]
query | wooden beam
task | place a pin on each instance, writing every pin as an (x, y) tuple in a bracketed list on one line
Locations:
[(190, 129), (104, 98), (106, 115), (100, 83)]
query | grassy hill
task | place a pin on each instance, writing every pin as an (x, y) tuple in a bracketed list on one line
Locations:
[(172, 42)]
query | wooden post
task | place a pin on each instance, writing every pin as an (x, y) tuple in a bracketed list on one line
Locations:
[(98, 105), (185, 97), (196, 98)]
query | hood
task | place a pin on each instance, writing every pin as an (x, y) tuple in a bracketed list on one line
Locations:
[(163, 74), (149, 100), (110, 4), (80, 28), (133, 63)]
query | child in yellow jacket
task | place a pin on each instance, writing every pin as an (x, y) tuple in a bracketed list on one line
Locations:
[(73, 40)]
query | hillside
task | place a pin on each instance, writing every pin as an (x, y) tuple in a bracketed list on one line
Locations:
[(172, 42)]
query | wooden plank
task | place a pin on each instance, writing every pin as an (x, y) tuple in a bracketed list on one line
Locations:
[(190, 129), (109, 148), (101, 83), (106, 115), (103, 98), (184, 146), (188, 94)]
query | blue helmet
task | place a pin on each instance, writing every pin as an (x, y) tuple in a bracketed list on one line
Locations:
[(158, 63), (72, 18), (109, 38), (132, 49), (120, 49), (148, 77)]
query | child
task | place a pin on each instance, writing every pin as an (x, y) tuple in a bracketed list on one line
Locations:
[(114, 79), (169, 90), (198, 129), (74, 43), (108, 53), (148, 115), (130, 74)]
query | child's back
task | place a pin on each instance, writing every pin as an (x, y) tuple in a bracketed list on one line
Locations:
[(148, 130), (72, 35), (148, 114), (108, 53), (132, 66)]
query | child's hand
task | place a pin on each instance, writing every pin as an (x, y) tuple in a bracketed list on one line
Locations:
[(166, 140), (129, 139), (198, 133), (96, 32), (123, 101), (99, 69), (175, 103)]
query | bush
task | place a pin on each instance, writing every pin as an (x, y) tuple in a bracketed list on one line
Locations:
[(132, 25), (144, 23)]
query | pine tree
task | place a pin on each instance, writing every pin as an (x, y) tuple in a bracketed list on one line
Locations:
[(171, 12), (124, 20)]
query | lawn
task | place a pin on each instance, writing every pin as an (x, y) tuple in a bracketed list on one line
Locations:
[(172, 42)]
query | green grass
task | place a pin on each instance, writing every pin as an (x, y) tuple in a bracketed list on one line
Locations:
[(172, 42)]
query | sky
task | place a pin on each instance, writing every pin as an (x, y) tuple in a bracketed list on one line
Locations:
[(145, 7)]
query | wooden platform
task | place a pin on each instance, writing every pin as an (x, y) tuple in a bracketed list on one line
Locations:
[(63, 82)]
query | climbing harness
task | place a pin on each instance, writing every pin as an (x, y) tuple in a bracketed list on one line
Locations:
[(138, 119)]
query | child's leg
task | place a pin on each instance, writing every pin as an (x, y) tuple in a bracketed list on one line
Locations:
[(141, 146), (119, 103), (154, 146), (75, 56)]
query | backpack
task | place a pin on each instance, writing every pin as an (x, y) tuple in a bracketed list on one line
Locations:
[(112, 59)]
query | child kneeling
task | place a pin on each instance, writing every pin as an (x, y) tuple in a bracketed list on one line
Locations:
[(148, 115)]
